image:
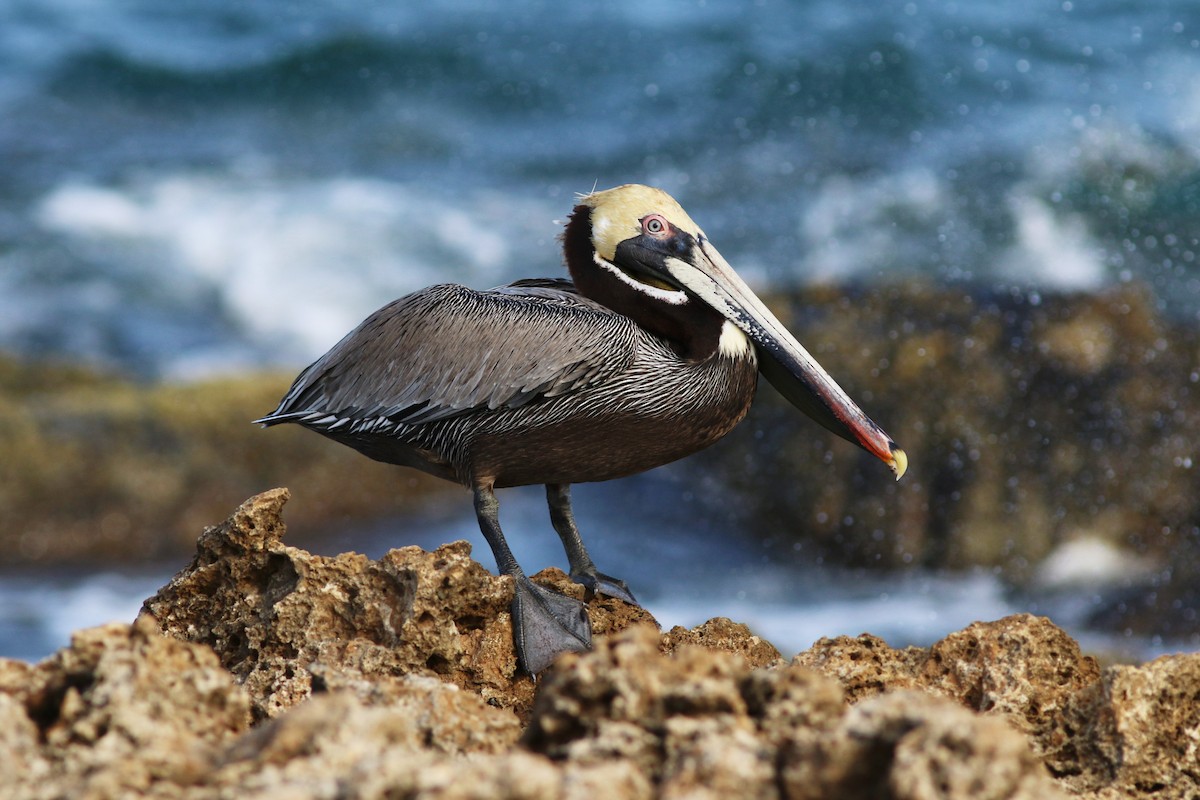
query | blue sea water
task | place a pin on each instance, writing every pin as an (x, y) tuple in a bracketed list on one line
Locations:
[(190, 188), (195, 186)]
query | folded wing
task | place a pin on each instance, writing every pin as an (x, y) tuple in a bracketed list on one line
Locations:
[(449, 350)]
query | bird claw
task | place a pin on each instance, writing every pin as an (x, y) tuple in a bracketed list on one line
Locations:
[(547, 624), (599, 583)]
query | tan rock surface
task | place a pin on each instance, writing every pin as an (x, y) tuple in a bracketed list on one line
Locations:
[(263, 671), (124, 711), (1022, 667), (278, 615)]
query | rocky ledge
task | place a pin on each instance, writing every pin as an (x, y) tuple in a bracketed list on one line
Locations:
[(264, 671)]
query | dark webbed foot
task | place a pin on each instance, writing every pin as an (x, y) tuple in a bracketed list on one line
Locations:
[(596, 582), (546, 624), (583, 571)]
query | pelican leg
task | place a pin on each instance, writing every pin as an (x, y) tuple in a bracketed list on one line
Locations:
[(583, 571), (546, 624)]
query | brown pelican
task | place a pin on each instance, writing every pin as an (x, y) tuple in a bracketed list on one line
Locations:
[(651, 354)]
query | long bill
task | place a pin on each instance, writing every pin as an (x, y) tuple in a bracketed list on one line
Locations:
[(783, 360)]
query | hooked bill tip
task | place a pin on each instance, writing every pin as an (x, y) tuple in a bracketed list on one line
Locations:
[(899, 462)]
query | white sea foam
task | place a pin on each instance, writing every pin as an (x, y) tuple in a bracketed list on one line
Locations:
[(1089, 562), (1052, 249), (298, 263), (908, 221), (854, 226)]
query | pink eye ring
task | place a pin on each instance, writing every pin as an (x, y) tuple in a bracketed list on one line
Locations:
[(655, 225)]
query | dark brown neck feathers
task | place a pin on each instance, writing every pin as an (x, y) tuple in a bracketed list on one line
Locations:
[(691, 329)]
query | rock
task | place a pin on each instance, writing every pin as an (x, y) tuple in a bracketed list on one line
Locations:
[(21, 760), (1136, 732), (286, 622), (618, 700), (334, 743), (264, 671), (1154, 711), (909, 746), (121, 712), (1022, 667), (704, 724), (724, 634), (277, 615), (1125, 731), (682, 720), (865, 665)]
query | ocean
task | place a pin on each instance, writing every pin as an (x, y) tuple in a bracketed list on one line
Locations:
[(194, 188), (215, 185)]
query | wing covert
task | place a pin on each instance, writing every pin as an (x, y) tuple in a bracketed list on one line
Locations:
[(448, 350)]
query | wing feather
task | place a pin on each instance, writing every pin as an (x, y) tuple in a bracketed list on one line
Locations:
[(449, 350)]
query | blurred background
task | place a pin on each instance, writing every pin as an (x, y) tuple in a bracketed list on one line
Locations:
[(983, 218)]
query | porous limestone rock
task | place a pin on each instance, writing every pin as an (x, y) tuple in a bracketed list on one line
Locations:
[(277, 615), (263, 671), (721, 633), (704, 724), (1022, 667), (122, 712), (1125, 731), (1136, 732)]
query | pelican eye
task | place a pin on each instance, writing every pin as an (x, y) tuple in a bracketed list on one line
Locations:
[(655, 225)]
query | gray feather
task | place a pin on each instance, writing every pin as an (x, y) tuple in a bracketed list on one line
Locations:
[(449, 350)]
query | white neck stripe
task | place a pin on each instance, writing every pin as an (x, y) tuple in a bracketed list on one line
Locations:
[(675, 297)]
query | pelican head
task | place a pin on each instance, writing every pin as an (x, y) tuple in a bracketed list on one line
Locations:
[(634, 249)]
